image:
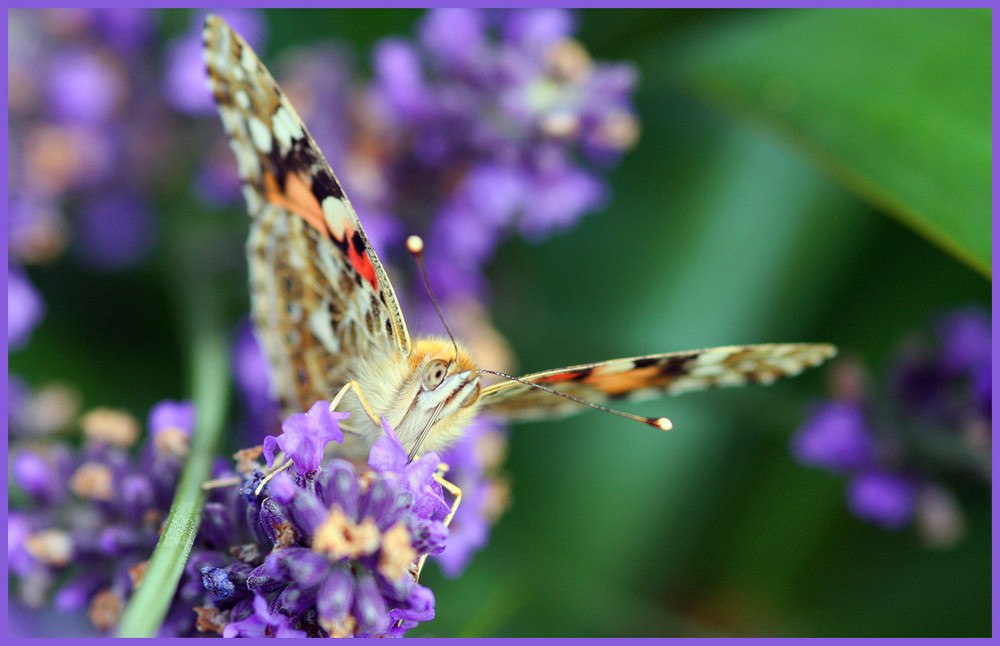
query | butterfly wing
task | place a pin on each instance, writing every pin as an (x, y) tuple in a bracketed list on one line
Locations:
[(640, 378), (321, 299)]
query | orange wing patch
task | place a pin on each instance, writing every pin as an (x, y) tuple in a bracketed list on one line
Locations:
[(297, 198), (563, 376), (354, 246), (620, 383)]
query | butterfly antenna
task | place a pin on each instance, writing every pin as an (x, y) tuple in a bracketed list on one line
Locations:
[(661, 423), (415, 245)]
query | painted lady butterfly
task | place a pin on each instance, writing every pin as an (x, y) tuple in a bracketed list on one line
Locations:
[(330, 321)]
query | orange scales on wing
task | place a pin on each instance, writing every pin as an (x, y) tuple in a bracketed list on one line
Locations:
[(360, 260), (619, 383), (298, 198)]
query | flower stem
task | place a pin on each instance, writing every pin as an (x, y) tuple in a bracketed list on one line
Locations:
[(210, 384)]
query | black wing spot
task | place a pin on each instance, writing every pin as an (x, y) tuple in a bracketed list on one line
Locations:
[(676, 366), (280, 166), (358, 242), (325, 185)]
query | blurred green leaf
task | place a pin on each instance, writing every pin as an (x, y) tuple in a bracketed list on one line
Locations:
[(894, 103)]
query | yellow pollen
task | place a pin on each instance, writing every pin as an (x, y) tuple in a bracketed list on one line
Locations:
[(111, 426), (338, 536), (50, 546), (92, 481), (397, 552)]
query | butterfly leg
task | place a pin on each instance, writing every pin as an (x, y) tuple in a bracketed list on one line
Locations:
[(221, 483), (454, 490), (275, 471), (353, 385)]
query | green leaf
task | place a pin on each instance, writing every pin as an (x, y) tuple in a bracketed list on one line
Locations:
[(210, 383), (894, 103)]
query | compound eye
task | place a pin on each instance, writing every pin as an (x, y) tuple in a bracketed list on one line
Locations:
[(434, 373), (471, 398)]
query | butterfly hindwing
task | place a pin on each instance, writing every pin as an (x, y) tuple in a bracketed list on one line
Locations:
[(321, 299), (639, 378)]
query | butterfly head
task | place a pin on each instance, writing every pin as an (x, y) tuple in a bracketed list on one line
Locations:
[(442, 395)]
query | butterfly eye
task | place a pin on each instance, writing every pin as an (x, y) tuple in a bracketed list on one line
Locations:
[(434, 373), (471, 398)]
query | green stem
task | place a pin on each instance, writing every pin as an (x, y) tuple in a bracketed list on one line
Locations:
[(210, 384)]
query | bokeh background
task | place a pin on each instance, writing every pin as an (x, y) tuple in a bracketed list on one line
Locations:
[(800, 176)]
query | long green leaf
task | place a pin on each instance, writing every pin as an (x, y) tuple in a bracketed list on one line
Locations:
[(210, 383), (895, 103)]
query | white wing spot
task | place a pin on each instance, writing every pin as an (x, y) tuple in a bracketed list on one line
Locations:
[(260, 134), (224, 46), (730, 379), (620, 365), (687, 384), (281, 130), (243, 99), (254, 201), (707, 370), (717, 355), (247, 60), (239, 74), (247, 166), (336, 212), (288, 115), (319, 323)]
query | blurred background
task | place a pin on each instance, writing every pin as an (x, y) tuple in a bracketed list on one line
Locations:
[(790, 176)]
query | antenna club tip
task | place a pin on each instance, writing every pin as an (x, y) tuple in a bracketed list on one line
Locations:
[(663, 423), (415, 245)]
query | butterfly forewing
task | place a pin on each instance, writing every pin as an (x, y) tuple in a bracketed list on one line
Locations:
[(321, 300), (639, 378)]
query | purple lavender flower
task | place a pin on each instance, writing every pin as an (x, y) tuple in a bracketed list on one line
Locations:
[(304, 437), (886, 499), (517, 111), (335, 548), (83, 138), (84, 86), (966, 341), (94, 512), (36, 230), (115, 232), (937, 417), (39, 414), (127, 30), (262, 623), (25, 307), (836, 437)]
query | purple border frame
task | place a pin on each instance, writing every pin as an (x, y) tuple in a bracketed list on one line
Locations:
[(780, 4)]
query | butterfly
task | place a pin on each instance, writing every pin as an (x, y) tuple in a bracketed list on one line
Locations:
[(330, 321)]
